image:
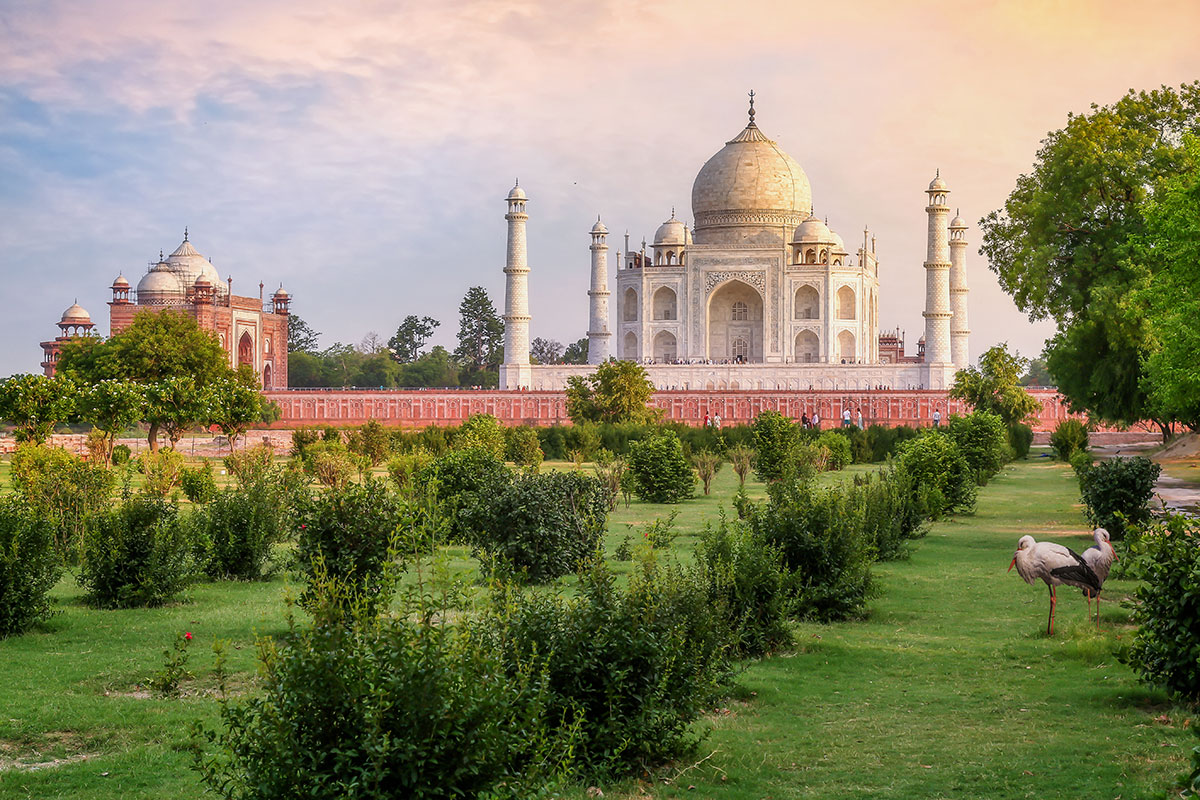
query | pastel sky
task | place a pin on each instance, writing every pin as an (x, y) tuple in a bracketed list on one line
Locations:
[(359, 152)]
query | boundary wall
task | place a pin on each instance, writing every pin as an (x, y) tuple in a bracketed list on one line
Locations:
[(409, 408)]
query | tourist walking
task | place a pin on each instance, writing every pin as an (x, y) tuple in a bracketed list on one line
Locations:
[(845, 418), (937, 419)]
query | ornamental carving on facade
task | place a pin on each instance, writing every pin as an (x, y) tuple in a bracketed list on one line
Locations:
[(756, 279)]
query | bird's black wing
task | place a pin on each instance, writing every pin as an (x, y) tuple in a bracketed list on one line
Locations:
[(1078, 573)]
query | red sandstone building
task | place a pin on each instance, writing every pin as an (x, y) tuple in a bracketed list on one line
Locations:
[(251, 331)]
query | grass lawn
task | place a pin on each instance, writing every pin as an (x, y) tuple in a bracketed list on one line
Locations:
[(948, 689)]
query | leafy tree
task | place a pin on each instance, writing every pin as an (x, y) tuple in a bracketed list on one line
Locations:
[(34, 404), (301, 338), (545, 351), (340, 364), (661, 472), (485, 432), (435, 368), (410, 337), (480, 332), (616, 392), (1036, 374), (994, 386), (1172, 299), (236, 404), (775, 439), (156, 345), (112, 406), (1061, 243), (378, 370), (576, 352), (175, 404), (304, 369)]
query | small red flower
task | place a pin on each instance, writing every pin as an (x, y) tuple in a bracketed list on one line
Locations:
[(303, 527), (188, 636)]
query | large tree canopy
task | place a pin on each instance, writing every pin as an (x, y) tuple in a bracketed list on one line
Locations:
[(480, 333), (154, 347), (1061, 245), (994, 386), (616, 392), (410, 338)]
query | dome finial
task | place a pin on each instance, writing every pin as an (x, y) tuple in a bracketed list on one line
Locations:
[(751, 106), (185, 234)]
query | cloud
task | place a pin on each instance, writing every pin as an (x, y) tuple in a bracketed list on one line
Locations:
[(360, 152)]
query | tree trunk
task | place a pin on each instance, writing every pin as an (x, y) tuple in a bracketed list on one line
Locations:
[(152, 437)]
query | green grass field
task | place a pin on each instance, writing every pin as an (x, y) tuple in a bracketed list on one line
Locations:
[(948, 689)]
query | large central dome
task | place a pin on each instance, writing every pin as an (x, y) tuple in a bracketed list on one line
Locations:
[(750, 192)]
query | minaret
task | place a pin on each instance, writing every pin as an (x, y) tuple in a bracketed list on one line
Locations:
[(599, 336), (959, 331), (515, 371), (937, 277)]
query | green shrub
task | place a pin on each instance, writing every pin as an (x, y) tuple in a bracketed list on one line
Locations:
[(351, 534), (138, 554), (330, 463), (63, 489), (891, 511), (707, 466), (198, 483), (1116, 493), (403, 468), (456, 478), (29, 567), (884, 441), (162, 471), (121, 454), (371, 441), (860, 451), (250, 464), (775, 438), (1069, 437), (1020, 439), (747, 585), (1166, 646), (631, 668), (1081, 462), (523, 448), (401, 706), (825, 548), (940, 472), (983, 440), (237, 529), (539, 526), (302, 438), (482, 432), (660, 471), (838, 447)]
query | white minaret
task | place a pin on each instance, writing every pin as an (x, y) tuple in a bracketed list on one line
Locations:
[(599, 336), (959, 331), (515, 372), (937, 277)]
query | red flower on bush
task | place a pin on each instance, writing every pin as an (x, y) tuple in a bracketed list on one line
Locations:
[(188, 636)]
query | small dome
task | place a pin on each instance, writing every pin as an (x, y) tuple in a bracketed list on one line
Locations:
[(120, 283), (202, 281), (937, 184), (517, 193), (813, 230), (281, 293), (76, 315), (190, 265), (958, 223), (159, 284), (838, 245), (671, 232), (599, 227), (687, 235)]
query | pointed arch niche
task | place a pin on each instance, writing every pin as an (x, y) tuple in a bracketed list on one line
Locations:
[(735, 316)]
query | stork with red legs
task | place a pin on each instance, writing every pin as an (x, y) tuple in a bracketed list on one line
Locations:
[(1054, 564), (1099, 557)]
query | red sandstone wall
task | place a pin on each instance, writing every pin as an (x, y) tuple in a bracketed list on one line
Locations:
[(417, 409)]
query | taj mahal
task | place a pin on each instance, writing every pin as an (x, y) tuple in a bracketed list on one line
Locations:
[(759, 293)]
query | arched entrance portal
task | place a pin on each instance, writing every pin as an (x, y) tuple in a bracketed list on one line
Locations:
[(735, 324), (246, 350)]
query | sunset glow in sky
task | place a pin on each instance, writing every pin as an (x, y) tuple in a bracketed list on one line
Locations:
[(360, 152)]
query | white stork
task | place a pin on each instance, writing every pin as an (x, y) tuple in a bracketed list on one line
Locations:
[(1055, 565), (1099, 557)]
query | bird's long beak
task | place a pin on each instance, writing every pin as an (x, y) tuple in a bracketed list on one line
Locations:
[(1013, 564), (1114, 552)]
